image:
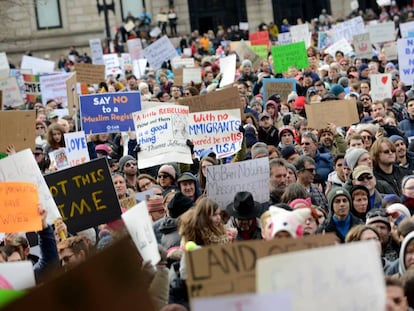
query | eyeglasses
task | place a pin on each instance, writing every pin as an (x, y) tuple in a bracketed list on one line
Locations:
[(66, 258), (310, 170), (40, 127), (389, 151), (129, 164), (161, 176), (36, 154), (305, 143), (366, 177), (367, 137), (366, 99)]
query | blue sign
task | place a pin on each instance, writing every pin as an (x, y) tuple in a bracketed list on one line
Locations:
[(109, 112)]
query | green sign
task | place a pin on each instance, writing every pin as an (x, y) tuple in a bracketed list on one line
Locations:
[(9, 295), (260, 50), (285, 56)]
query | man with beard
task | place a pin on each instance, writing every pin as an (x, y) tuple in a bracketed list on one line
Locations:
[(278, 179), (128, 166), (405, 158), (332, 140)]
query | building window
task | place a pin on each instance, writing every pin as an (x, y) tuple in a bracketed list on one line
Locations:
[(133, 7), (48, 14)]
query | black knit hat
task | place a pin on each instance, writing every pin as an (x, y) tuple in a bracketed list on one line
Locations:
[(179, 205)]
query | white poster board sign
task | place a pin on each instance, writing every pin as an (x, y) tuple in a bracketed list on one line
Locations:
[(160, 51), (284, 38), (96, 51), (227, 69), (76, 148), (180, 62), (11, 94), (139, 67), (4, 65), (18, 274), (112, 65), (162, 133), (139, 225), (54, 87), (341, 45), (224, 181), (192, 75), (405, 48), (37, 65), (407, 29), (341, 272), (135, 48), (381, 86), (363, 46), (346, 30), (381, 32), (301, 33)]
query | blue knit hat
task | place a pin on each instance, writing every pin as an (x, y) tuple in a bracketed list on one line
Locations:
[(394, 138), (362, 67), (337, 89)]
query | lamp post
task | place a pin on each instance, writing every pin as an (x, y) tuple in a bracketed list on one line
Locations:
[(105, 8)]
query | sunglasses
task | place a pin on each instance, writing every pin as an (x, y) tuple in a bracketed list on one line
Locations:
[(367, 137), (37, 153), (310, 170), (40, 127), (365, 99), (389, 151), (367, 177), (161, 176), (129, 164), (305, 143)]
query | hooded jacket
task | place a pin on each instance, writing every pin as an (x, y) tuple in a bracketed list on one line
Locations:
[(198, 191), (402, 268)]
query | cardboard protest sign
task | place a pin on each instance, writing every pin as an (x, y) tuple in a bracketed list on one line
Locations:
[(406, 60), (85, 195), (90, 74), (96, 51), (363, 46), (139, 224), (227, 98), (381, 32), (243, 26), (135, 48), (17, 128), (121, 284), (301, 33), (390, 50), (4, 65), (260, 50), (339, 112), (32, 88), (227, 69), (72, 94), (22, 167), (224, 181), (76, 148), (340, 45), (383, 2), (346, 30), (231, 268), (284, 38), (259, 38), (112, 65), (37, 65), (217, 131), (109, 112), (178, 76), (54, 87), (192, 75), (381, 86), (11, 93), (179, 62), (18, 274), (293, 54), (283, 87), (19, 207), (342, 272), (245, 52), (162, 133), (406, 29), (158, 52)]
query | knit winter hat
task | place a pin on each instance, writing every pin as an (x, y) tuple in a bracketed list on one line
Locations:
[(247, 62), (394, 138), (124, 160), (250, 135), (168, 169), (292, 96), (362, 67), (337, 89), (154, 204), (378, 215), (179, 205), (259, 148), (352, 156), (335, 193), (142, 86), (300, 102), (288, 151)]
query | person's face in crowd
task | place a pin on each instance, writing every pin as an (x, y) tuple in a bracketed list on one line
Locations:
[(326, 139), (103, 137), (370, 235), (321, 217), (396, 299), (356, 143), (333, 73), (341, 207), (145, 90), (270, 109), (145, 184), (130, 168), (71, 125), (410, 109), (64, 124), (39, 155), (367, 180), (243, 102), (309, 146), (365, 86), (244, 224), (242, 89), (120, 186), (292, 72), (303, 129), (132, 83), (284, 109), (265, 67), (165, 97), (57, 136), (204, 165), (273, 155), (257, 107), (373, 68), (286, 138), (282, 235), (308, 174), (346, 171), (409, 255), (247, 70), (378, 111), (367, 137), (175, 92), (321, 90), (114, 166), (360, 202), (15, 256), (187, 187), (278, 177), (164, 180), (386, 156), (365, 159), (69, 259), (111, 88), (163, 79), (400, 148), (267, 229), (40, 130), (290, 177), (384, 232), (266, 122), (366, 101), (400, 98), (215, 218), (310, 226), (344, 65), (209, 77), (338, 169), (408, 189)]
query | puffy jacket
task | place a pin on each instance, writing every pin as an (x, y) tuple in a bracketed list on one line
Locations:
[(324, 164)]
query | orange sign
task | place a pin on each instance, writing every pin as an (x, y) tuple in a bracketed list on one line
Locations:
[(19, 207)]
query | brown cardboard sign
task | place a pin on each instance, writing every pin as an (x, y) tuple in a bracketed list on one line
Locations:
[(110, 280), (90, 74), (178, 76), (17, 128), (231, 268), (339, 112), (283, 87), (73, 98)]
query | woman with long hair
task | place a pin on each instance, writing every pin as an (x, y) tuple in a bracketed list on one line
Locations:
[(55, 139), (202, 171)]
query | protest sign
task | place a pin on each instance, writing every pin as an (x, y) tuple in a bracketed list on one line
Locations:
[(346, 30), (381, 32), (139, 225), (259, 38), (109, 112), (301, 33), (256, 302), (192, 75), (284, 38), (283, 87), (231, 268), (217, 131), (381, 86), (362, 45), (72, 95), (18, 274), (227, 69), (90, 74), (126, 62), (340, 45), (179, 76), (9, 295), (4, 65), (293, 54), (155, 32), (32, 88), (76, 148), (406, 60), (17, 128), (243, 26), (37, 65), (406, 29), (54, 87), (96, 51), (112, 65), (19, 207), (20, 82), (323, 40), (390, 50), (22, 167), (245, 52), (135, 48), (162, 133), (158, 52), (85, 195), (59, 159), (179, 62), (224, 181), (339, 112), (383, 2), (139, 67), (227, 98), (260, 50), (121, 284), (11, 93), (342, 272), (142, 196)]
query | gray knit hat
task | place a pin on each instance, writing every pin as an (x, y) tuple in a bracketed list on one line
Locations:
[(259, 148), (124, 160), (335, 193), (352, 156)]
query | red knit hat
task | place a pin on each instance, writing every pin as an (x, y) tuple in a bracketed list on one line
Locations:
[(154, 204)]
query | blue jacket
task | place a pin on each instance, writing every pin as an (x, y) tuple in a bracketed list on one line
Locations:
[(324, 164), (49, 257), (407, 125)]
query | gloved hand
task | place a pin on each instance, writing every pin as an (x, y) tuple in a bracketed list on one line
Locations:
[(191, 145), (241, 129), (137, 148)]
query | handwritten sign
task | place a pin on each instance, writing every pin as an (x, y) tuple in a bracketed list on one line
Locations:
[(90, 74), (158, 52), (283, 87), (37, 65), (192, 75), (381, 86), (126, 62), (54, 87), (224, 181), (135, 48), (96, 51), (59, 159), (72, 94), (85, 195), (76, 148), (346, 30), (217, 131), (381, 32), (301, 33), (19, 207), (32, 88), (109, 112), (231, 268), (363, 46), (259, 38), (162, 133), (284, 38), (11, 93), (139, 67), (139, 225), (293, 54), (16, 128), (406, 29), (260, 50), (4, 65), (18, 274), (22, 167), (112, 65), (245, 52), (406, 60), (179, 62), (340, 45), (342, 272), (227, 69), (339, 112), (390, 50)]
